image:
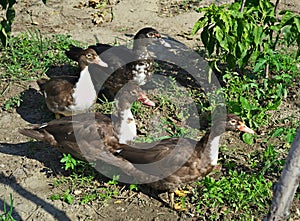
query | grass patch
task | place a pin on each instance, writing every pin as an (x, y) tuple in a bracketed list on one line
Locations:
[(29, 55), (84, 184), (242, 191), (239, 196)]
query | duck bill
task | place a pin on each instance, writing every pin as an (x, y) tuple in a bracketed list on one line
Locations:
[(145, 100), (100, 62), (245, 129)]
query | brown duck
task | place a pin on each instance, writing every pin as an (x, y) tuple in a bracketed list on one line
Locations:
[(126, 64), (180, 161), (72, 95), (166, 166), (118, 129)]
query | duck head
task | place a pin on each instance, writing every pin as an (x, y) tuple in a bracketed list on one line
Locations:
[(89, 56), (148, 33), (234, 123)]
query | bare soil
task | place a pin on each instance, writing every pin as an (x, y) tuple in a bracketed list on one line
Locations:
[(29, 168)]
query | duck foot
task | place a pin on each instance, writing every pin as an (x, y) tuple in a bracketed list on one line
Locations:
[(181, 192)]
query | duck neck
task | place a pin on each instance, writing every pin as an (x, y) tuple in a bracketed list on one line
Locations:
[(213, 146), (140, 49), (125, 125), (84, 90)]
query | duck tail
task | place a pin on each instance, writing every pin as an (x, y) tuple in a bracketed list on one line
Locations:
[(38, 134)]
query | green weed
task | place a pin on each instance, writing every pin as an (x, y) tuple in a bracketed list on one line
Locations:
[(7, 215), (239, 35), (29, 55), (239, 196), (82, 184), (13, 102)]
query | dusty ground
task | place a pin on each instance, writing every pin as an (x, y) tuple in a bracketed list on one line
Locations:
[(28, 170)]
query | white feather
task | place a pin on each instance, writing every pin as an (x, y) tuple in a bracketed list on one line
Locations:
[(214, 150), (127, 127), (85, 93)]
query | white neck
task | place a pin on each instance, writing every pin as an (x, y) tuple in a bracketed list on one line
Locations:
[(84, 93), (127, 129), (214, 150)]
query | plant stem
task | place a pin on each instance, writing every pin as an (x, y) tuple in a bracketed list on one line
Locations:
[(243, 5)]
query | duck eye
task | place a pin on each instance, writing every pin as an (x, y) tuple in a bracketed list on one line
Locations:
[(150, 34), (134, 92), (89, 56), (232, 121)]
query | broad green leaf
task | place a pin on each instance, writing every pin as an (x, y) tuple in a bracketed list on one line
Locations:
[(205, 36), (257, 33), (289, 34), (259, 65), (227, 21), (246, 105), (297, 23), (211, 44), (196, 28), (199, 24), (287, 18), (220, 38)]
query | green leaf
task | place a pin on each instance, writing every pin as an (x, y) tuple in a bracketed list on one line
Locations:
[(220, 37), (199, 24), (205, 36), (291, 136), (248, 138), (257, 32), (287, 18), (278, 132), (245, 104), (297, 23), (260, 64)]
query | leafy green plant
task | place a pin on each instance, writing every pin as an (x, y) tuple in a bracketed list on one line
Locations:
[(7, 214), (253, 96), (69, 161), (288, 134), (7, 21), (244, 97), (13, 102), (133, 187), (65, 197), (233, 195), (83, 176), (237, 36)]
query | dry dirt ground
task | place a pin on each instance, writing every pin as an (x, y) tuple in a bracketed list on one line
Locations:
[(27, 170)]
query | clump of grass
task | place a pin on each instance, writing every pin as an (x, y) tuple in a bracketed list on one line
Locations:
[(82, 185), (29, 55), (13, 102), (7, 215), (239, 196)]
